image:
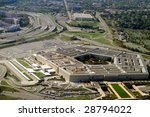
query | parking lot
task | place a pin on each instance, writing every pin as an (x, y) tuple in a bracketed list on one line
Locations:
[(27, 49)]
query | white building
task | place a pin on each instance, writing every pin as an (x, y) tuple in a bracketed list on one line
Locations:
[(13, 28), (82, 16)]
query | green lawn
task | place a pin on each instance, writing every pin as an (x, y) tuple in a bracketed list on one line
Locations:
[(17, 67), (85, 24), (24, 63), (66, 38), (39, 74), (146, 56), (28, 76), (135, 47), (97, 36), (7, 88), (4, 83), (13, 77), (23, 73), (4, 97), (120, 91)]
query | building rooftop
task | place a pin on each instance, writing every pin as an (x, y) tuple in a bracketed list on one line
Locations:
[(121, 63), (82, 16)]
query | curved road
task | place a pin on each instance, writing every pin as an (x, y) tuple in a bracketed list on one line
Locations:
[(41, 26)]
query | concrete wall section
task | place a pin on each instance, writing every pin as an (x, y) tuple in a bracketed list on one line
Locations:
[(66, 75), (86, 78), (47, 62)]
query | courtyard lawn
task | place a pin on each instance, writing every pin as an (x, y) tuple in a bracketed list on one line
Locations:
[(120, 91)]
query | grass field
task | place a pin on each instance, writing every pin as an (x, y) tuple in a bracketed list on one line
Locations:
[(14, 77), (120, 91), (135, 47), (146, 56), (28, 76), (4, 97), (4, 83), (85, 24), (24, 63), (39, 74), (66, 38), (7, 88), (23, 73), (97, 36)]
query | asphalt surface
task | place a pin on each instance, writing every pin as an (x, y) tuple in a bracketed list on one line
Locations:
[(41, 25), (27, 49), (3, 71)]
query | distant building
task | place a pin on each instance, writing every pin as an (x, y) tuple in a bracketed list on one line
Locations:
[(2, 12), (97, 5), (1, 30), (82, 17), (13, 28), (10, 7), (14, 21)]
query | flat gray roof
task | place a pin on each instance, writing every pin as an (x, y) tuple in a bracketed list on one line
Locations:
[(123, 62)]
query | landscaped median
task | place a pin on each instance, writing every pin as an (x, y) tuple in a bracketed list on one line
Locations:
[(30, 71), (24, 62), (39, 74), (30, 79), (121, 92), (22, 73)]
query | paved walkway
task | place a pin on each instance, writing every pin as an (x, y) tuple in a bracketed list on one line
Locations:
[(138, 90), (118, 96), (3, 71), (23, 95), (98, 87)]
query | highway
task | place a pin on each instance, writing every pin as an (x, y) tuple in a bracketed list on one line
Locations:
[(41, 25), (105, 26), (67, 9), (92, 42)]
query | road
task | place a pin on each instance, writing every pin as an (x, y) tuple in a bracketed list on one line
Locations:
[(41, 25), (27, 49), (105, 26), (92, 42), (67, 10)]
